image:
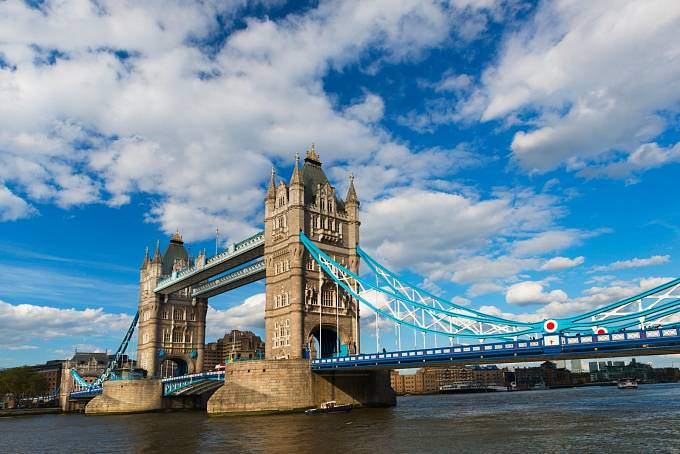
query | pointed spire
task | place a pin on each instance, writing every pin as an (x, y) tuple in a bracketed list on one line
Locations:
[(157, 254), (271, 190), (351, 192), (146, 258), (295, 179)]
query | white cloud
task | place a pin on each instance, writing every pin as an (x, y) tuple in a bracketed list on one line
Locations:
[(634, 263), (553, 240), (25, 323), (13, 207), (483, 288), (453, 83), (370, 110), (248, 315), (131, 104), (435, 227), (481, 268), (461, 301), (556, 305), (585, 104), (561, 263), (646, 156), (530, 292)]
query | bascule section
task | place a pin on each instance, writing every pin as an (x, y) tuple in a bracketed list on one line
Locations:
[(307, 315)]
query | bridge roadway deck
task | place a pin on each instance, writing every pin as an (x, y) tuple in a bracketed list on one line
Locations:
[(246, 275), (236, 255), (551, 347)]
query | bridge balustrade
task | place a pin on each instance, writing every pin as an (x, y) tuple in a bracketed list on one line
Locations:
[(231, 277), (667, 337), (234, 249)]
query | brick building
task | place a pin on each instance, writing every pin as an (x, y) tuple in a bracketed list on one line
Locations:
[(234, 346), (51, 371)]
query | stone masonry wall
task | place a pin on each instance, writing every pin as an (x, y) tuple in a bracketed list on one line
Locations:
[(271, 386), (264, 386), (127, 396)]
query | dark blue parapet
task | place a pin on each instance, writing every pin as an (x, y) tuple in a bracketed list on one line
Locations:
[(651, 342)]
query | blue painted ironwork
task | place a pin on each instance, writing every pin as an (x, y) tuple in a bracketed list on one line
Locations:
[(408, 305), (232, 251), (414, 307), (248, 271), (648, 342), (115, 361), (176, 385), (86, 393)]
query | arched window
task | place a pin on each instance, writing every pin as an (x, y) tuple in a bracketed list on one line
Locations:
[(328, 295)]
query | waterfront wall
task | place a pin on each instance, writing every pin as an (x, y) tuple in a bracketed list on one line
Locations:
[(127, 396), (270, 386)]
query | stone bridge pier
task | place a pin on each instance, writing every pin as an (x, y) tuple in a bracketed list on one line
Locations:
[(273, 386)]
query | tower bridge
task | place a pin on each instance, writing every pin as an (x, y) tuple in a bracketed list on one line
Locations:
[(309, 255)]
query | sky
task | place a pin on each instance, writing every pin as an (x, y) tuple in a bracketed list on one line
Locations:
[(517, 157)]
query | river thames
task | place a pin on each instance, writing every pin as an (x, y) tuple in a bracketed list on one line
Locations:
[(596, 419)]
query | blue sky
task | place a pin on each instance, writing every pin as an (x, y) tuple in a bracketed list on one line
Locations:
[(520, 157)]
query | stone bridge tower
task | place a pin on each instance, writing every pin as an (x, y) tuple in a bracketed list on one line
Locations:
[(171, 328), (305, 309)]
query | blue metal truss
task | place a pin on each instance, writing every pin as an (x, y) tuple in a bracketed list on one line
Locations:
[(106, 374), (176, 385), (647, 342), (407, 305)]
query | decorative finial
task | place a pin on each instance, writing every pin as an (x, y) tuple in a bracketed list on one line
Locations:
[(313, 156), (351, 192), (157, 254), (271, 189)]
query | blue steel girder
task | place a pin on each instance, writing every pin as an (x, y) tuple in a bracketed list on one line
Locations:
[(175, 385), (407, 305), (426, 314), (246, 275), (644, 342), (113, 363), (235, 255)]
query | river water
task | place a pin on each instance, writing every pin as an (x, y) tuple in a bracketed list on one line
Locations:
[(596, 419)]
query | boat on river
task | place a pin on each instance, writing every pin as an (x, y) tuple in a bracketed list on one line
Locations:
[(627, 383), (329, 407)]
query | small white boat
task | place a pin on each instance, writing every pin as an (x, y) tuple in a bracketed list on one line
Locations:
[(627, 383), (329, 407)]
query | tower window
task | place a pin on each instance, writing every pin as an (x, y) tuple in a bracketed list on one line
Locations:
[(328, 296)]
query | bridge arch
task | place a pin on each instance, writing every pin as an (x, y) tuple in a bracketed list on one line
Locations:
[(325, 335), (173, 367)]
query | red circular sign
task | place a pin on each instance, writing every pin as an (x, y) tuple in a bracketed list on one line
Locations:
[(550, 326), (601, 331)]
